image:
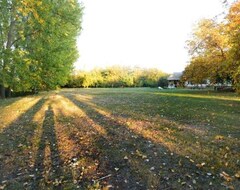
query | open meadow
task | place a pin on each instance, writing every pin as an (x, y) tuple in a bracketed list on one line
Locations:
[(125, 138)]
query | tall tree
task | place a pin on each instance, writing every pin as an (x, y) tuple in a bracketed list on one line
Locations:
[(209, 49), (217, 44), (38, 43), (233, 19)]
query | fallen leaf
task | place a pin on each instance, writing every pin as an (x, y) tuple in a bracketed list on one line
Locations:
[(237, 175), (225, 176), (152, 168), (2, 186)]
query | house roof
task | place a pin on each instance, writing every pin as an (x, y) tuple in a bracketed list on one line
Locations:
[(175, 76)]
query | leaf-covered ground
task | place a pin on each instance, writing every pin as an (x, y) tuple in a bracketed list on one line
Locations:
[(120, 139)]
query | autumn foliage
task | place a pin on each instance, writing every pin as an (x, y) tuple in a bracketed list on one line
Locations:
[(214, 48)]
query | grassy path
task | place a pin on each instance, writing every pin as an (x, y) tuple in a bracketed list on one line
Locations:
[(120, 139)]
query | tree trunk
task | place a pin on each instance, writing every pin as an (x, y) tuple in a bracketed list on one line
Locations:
[(2, 91), (6, 59), (8, 92)]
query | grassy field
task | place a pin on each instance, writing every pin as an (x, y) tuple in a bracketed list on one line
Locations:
[(120, 139)]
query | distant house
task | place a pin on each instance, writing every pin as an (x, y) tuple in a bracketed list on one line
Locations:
[(174, 79)]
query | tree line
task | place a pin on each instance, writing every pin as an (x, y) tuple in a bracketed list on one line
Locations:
[(117, 76), (37, 43), (215, 50)]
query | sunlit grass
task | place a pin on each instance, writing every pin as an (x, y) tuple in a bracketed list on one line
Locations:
[(11, 109), (205, 95), (196, 140), (75, 137)]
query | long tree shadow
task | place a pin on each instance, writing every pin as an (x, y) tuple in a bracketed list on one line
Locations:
[(214, 114), (136, 162), (15, 141), (7, 102), (48, 164)]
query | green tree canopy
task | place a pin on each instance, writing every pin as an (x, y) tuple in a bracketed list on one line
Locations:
[(117, 76), (38, 43)]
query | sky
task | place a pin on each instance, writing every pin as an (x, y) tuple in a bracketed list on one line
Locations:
[(143, 33)]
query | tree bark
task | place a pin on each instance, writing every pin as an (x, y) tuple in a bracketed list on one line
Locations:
[(2, 92), (8, 93), (6, 60)]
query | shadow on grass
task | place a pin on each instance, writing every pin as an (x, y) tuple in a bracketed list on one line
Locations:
[(205, 94), (48, 162), (7, 102), (214, 115), (136, 162), (15, 140), (219, 113)]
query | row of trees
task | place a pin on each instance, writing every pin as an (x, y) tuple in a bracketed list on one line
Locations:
[(37, 43), (119, 77), (215, 50)]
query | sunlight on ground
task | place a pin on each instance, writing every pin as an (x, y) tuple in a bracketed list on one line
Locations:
[(11, 112), (203, 96), (76, 138), (176, 137), (150, 130)]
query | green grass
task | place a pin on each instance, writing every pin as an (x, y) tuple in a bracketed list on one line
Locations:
[(138, 138)]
